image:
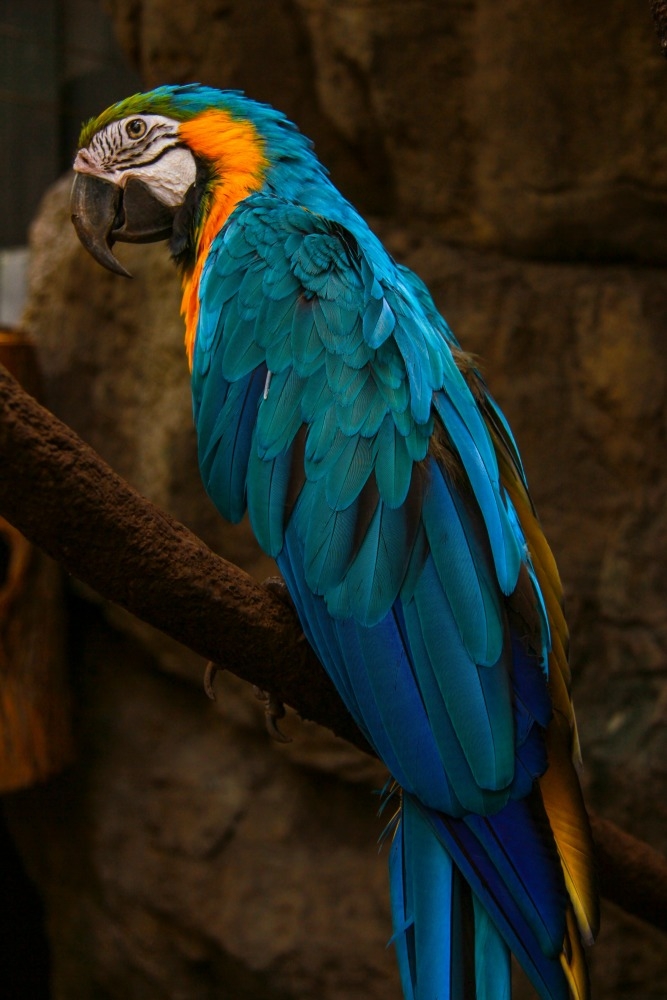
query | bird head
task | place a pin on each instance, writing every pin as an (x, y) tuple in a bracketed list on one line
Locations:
[(168, 164)]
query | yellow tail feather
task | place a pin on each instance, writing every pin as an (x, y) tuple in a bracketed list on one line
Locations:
[(559, 785)]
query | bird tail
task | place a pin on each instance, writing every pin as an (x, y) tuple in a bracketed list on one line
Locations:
[(465, 892), (446, 944)]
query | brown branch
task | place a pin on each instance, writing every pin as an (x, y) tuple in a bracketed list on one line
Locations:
[(631, 873), (67, 500)]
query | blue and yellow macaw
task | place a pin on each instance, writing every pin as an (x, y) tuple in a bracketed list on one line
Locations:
[(332, 401)]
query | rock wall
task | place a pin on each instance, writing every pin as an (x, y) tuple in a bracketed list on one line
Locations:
[(538, 132), (515, 155)]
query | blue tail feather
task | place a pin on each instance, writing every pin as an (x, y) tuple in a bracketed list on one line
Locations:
[(433, 915), (492, 958), (488, 877), (524, 854)]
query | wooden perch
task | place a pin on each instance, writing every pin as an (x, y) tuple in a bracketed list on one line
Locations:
[(63, 497), (66, 499)]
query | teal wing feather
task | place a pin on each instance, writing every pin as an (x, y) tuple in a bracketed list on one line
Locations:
[(328, 402), (320, 372)]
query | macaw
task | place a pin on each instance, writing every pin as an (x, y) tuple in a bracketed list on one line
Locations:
[(332, 401)]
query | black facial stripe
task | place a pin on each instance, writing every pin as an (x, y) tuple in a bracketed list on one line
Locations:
[(115, 149), (145, 163), (157, 132), (133, 153), (159, 127)]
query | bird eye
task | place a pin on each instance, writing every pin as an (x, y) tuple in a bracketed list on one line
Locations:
[(136, 128)]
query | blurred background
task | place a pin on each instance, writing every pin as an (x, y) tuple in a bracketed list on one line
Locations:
[(158, 846)]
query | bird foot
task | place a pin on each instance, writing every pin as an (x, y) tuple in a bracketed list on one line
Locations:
[(273, 711), (277, 586), (209, 677), (273, 706)]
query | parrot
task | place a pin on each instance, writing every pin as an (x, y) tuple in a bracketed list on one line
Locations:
[(335, 406)]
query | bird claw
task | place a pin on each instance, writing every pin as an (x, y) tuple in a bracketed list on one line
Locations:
[(273, 710), (273, 706), (209, 676), (277, 586)]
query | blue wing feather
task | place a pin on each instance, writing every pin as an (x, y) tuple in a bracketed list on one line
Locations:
[(463, 569), (400, 562), (267, 488), (279, 413), (376, 573), (471, 441), (394, 464), (329, 543), (464, 792), (478, 698)]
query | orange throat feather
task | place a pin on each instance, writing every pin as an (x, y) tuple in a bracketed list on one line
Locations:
[(236, 154)]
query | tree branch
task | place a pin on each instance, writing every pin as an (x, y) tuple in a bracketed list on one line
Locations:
[(66, 499), (63, 497), (631, 873)]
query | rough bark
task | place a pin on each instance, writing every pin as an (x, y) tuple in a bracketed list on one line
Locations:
[(62, 496), (68, 501)]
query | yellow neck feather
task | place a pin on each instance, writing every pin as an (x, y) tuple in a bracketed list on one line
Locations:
[(236, 153)]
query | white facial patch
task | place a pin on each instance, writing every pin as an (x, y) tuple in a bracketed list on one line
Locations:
[(144, 147), (171, 176)]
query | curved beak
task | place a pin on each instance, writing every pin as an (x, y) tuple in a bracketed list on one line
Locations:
[(104, 213)]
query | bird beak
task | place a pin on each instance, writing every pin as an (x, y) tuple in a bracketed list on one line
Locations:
[(104, 213)]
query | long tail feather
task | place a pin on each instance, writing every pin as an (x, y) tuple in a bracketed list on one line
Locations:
[(492, 958), (494, 874), (433, 915)]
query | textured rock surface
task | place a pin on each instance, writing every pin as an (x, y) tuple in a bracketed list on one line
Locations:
[(537, 130), (185, 856), (188, 860)]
